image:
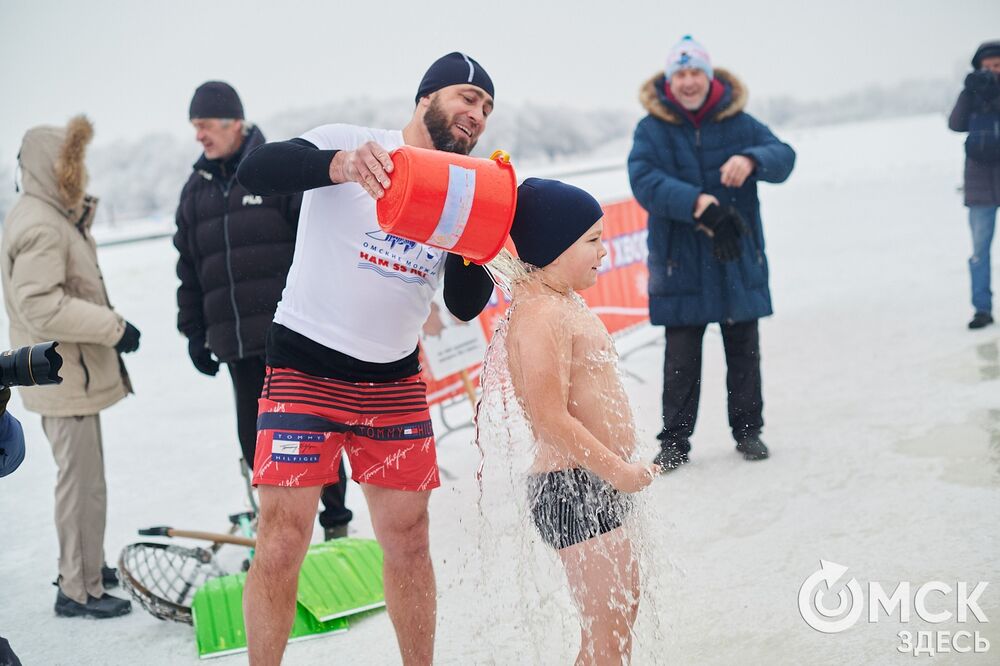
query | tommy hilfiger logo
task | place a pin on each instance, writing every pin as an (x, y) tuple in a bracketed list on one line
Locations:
[(295, 447), (252, 200), (419, 430)]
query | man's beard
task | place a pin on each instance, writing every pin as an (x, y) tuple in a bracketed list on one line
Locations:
[(439, 127)]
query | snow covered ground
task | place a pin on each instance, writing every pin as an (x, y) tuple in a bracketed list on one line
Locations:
[(882, 411)]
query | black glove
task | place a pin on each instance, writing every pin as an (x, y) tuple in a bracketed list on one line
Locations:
[(202, 357), (4, 398), (984, 84), (725, 226), (130, 340)]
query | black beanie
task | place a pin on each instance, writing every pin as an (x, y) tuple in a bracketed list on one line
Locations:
[(451, 70), (985, 50), (215, 99), (550, 217)]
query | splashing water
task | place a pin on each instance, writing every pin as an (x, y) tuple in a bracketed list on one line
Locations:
[(507, 270), (549, 602)]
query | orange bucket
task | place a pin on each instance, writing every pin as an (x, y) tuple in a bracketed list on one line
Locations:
[(461, 204)]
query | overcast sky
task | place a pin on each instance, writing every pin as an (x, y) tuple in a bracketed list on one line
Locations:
[(132, 66)]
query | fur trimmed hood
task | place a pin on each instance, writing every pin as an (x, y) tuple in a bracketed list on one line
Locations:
[(650, 97), (52, 164)]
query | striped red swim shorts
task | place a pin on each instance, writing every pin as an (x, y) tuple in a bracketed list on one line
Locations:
[(304, 422)]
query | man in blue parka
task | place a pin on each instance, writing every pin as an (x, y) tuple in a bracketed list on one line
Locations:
[(694, 166)]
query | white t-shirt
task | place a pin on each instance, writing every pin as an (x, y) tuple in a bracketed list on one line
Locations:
[(352, 287)]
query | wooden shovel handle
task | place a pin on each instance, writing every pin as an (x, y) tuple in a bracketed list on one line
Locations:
[(214, 537)]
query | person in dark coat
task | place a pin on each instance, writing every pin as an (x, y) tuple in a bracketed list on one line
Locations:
[(977, 111), (235, 249), (694, 166)]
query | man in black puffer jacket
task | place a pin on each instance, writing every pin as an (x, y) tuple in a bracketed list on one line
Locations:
[(235, 251)]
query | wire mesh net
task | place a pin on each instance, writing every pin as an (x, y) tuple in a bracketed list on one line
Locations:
[(163, 577)]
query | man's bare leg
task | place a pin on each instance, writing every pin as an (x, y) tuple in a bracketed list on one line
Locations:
[(283, 534), (604, 581), (400, 520)]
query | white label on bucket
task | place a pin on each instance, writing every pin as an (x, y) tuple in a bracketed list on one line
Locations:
[(457, 205)]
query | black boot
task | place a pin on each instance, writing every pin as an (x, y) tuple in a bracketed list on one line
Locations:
[(105, 607), (752, 448), (672, 455), (981, 319), (109, 577)]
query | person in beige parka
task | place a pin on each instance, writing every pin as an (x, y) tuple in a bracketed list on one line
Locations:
[(53, 290)]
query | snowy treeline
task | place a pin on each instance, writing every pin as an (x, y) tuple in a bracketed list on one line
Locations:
[(529, 132), (132, 179), (143, 178), (906, 98)]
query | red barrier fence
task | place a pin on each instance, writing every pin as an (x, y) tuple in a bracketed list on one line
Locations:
[(619, 298)]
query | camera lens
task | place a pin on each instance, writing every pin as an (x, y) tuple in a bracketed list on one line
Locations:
[(31, 365)]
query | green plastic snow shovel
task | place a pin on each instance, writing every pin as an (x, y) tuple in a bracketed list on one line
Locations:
[(341, 577), (340, 580), (218, 619)]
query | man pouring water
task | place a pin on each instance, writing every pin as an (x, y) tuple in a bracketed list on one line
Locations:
[(342, 354)]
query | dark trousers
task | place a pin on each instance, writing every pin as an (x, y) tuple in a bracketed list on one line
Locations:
[(248, 380), (682, 381)]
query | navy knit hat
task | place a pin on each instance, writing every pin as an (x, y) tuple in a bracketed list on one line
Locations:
[(550, 217), (454, 69), (215, 99)]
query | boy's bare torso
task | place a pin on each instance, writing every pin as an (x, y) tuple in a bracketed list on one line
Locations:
[(586, 362)]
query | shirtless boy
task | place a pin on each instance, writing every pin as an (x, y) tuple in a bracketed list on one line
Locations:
[(563, 366)]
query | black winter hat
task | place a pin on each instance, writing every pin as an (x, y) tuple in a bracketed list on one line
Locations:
[(985, 50), (451, 70), (215, 99), (550, 217)]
